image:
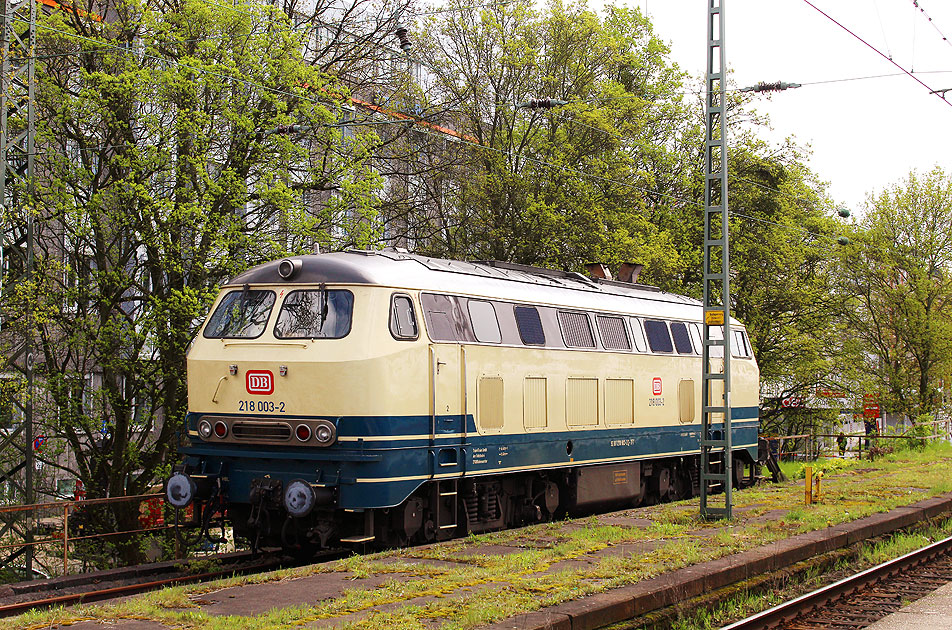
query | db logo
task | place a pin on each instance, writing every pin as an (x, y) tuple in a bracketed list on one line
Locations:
[(259, 382), (656, 386)]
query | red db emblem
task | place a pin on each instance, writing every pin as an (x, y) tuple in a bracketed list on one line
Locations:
[(259, 382), (655, 386)]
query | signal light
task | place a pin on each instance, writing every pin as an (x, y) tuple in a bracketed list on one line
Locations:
[(843, 240), (303, 432), (221, 429), (843, 212)]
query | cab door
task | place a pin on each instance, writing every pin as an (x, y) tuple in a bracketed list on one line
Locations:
[(447, 409)]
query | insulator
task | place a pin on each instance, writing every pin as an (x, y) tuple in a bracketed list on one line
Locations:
[(405, 43)]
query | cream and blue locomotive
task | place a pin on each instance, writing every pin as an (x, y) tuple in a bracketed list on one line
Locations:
[(387, 398)]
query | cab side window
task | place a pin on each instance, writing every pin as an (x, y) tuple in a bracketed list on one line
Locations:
[(403, 323), (659, 339)]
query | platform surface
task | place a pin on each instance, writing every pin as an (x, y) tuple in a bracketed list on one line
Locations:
[(932, 612), (572, 574)]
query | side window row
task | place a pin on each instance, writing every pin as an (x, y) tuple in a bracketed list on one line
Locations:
[(450, 318)]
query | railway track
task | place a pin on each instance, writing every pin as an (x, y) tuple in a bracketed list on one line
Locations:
[(862, 599), (109, 584)]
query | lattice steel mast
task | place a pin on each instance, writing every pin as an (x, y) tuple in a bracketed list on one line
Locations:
[(715, 444), (17, 139)]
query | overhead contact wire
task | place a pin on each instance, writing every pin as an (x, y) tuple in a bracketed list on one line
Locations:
[(877, 51), (929, 19)]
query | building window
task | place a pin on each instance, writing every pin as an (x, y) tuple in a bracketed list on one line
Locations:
[(659, 340), (530, 325), (576, 330)]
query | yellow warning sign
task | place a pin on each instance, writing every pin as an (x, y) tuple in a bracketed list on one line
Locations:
[(714, 318)]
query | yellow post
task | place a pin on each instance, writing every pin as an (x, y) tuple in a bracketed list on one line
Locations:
[(807, 485)]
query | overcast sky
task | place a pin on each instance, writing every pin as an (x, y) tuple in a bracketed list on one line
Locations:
[(864, 134)]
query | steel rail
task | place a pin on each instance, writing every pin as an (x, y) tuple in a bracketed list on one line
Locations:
[(788, 611), (9, 610), (266, 564)]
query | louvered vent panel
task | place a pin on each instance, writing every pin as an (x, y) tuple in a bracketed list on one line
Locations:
[(620, 401), (535, 407), (490, 410), (581, 401)]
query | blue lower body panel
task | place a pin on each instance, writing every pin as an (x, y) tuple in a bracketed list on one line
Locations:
[(380, 461)]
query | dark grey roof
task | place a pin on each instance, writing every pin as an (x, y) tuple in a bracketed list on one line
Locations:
[(399, 269)]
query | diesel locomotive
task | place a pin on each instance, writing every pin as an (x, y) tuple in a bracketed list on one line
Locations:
[(385, 398)]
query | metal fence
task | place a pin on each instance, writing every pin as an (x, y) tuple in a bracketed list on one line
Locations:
[(57, 542), (811, 446)]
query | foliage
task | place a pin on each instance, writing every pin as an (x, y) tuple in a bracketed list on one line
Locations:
[(565, 186), (782, 261), (922, 432), (896, 288), (612, 176), (161, 177), (821, 466)]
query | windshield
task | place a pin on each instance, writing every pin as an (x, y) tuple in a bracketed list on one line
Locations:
[(240, 314), (317, 313)]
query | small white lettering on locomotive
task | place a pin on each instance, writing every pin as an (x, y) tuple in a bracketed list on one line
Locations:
[(623, 442), (479, 455), (656, 402)]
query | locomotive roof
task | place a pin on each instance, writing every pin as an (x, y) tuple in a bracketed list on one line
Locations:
[(486, 278)]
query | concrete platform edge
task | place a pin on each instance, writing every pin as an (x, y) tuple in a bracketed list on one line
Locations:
[(602, 609)]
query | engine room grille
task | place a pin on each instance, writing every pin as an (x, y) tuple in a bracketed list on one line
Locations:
[(275, 431)]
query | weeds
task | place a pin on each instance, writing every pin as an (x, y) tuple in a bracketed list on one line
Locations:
[(551, 563)]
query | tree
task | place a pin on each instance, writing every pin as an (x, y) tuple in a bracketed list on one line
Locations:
[(783, 262), (897, 288), (570, 185), (163, 172)]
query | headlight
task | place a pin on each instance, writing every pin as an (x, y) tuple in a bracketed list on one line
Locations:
[(325, 434), (205, 429), (221, 429)]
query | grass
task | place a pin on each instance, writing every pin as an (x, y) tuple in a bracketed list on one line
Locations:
[(548, 563)]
